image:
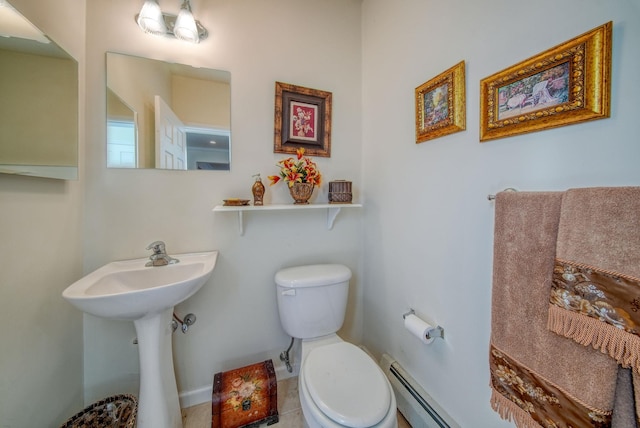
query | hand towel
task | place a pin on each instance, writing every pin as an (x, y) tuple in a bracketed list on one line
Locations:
[(595, 295), (538, 378)]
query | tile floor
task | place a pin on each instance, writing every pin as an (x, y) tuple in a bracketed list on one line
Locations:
[(288, 409)]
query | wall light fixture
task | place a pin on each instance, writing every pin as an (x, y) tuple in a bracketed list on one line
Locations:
[(152, 20)]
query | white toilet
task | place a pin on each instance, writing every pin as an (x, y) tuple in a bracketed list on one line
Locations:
[(339, 384)]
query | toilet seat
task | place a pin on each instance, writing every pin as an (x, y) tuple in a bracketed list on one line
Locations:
[(347, 385)]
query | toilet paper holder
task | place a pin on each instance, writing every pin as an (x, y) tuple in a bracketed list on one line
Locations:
[(435, 333)]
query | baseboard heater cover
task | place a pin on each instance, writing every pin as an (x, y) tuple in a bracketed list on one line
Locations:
[(418, 407)]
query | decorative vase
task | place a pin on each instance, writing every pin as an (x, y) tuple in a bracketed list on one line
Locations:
[(301, 192)]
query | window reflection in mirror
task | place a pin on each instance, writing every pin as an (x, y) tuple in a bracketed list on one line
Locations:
[(166, 115), (39, 108), (122, 133)]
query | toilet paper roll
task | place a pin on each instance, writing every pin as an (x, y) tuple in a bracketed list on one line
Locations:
[(419, 328)]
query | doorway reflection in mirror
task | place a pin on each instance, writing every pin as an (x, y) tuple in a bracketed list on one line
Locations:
[(166, 115)]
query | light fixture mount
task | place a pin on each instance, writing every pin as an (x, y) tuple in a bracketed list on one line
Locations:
[(170, 23)]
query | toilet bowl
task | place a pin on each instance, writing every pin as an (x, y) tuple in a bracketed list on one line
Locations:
[(339, 384)]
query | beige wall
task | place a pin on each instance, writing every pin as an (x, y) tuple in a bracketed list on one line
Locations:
[(117, 109), (212, 106), (126, 210), (41, 375), (39, 110)]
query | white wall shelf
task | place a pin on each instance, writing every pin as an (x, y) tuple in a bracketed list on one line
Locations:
[(332, 210)]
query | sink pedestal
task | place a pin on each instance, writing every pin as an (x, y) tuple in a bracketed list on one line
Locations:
[(130, 290), (158, 402)]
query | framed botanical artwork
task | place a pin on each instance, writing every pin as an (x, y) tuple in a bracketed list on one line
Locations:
[(441, 104), (567, 84), (302, 119)]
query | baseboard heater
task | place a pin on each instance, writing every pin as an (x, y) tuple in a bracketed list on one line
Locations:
[(418, 408)]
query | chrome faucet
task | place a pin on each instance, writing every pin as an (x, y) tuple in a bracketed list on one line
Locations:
[(159, 256)]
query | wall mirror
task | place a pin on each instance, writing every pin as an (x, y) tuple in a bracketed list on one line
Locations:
[(165, 115), (39, 108)]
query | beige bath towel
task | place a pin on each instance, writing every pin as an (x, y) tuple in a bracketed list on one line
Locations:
[(538, 378), (595, 296)]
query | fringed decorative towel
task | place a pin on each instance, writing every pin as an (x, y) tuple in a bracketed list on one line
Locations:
[(538, 378), (595, 296)]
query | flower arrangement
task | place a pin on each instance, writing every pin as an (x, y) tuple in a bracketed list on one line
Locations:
[(300, 169)]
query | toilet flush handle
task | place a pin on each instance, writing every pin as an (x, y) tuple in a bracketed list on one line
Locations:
[(290, 292)]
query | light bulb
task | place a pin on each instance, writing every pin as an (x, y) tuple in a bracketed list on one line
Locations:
[(185, 28), (150, 18)]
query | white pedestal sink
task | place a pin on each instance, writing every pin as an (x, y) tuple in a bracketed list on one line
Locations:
[(128, 290)]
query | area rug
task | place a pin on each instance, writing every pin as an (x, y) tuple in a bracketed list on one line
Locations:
[(118, 411), (245, 397)]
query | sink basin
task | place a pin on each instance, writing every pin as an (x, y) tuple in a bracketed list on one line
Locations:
[(128, 290)]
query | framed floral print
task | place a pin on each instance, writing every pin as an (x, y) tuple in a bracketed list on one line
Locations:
[(302, 119), (441, 104), (567, 84)]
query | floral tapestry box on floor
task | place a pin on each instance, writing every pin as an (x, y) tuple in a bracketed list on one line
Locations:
[(245, 397)]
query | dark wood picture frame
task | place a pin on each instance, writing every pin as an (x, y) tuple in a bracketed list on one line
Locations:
[(302, 119)]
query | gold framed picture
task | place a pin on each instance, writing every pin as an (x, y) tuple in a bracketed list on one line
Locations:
[(302, 119), (441, 104), (567, 84)]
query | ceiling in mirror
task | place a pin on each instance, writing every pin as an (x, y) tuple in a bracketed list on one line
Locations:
[(39, 109), (166, 115)]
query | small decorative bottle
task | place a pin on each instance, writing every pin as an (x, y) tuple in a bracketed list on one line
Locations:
[(258, 190)]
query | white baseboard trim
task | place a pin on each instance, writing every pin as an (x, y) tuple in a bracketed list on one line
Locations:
[(203, 395), (195, 397)]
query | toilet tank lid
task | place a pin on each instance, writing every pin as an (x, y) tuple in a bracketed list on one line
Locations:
[(312, 275)]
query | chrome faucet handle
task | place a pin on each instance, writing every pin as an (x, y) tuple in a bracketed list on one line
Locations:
[(159, 256), (158, 247)]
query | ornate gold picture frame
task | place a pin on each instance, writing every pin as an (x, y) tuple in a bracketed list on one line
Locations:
[(302, 119), (567, 84), (441, 104)]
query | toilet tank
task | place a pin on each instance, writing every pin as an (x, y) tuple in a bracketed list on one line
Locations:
[(312, 300)]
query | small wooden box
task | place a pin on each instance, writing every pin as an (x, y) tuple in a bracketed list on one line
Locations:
[(340, 192), (245, 397)]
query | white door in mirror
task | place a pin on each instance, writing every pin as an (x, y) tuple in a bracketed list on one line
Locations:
[(171, 140)]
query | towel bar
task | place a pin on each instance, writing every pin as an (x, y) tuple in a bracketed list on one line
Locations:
[(508, 189)]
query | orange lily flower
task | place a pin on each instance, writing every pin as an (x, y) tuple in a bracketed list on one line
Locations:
[(273, 179), (300, 169)]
